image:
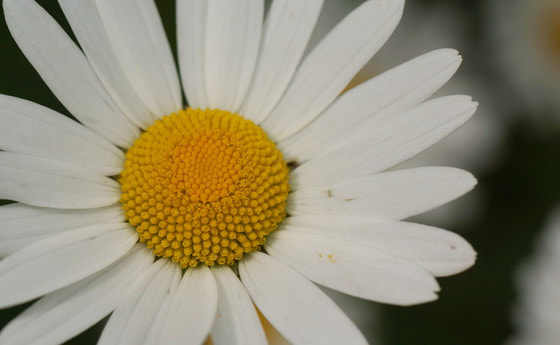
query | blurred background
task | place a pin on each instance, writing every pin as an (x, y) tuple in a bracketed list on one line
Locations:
[(511, 66)]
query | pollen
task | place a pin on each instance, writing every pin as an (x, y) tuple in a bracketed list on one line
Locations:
[(204, 187)]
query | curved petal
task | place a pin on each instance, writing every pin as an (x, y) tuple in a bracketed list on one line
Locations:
[(294, 305), (382, 97), (23, 224), (65, 313), (159, 320), (32, 129), (237, 322), (439, 251), (48, 183), (66, 71), (192, 310), (352, 267), (132, 318), (287, 29), (232, 37), (61, 260), (327, 70), (391, 195), (191, 27), (139, 41), (380, 144), (88, 28)]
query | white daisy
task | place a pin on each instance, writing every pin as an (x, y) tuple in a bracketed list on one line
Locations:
[(205, 189), (525, 37), (536, 315)]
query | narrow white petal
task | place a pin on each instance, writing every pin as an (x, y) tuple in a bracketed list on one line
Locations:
[(380, 144), (65, 313), (159, 321), (23, 224), (90, 32), (294, 306), (332, 64), (32, 129), (60, 260), (353, 267), (382, 97), (66, 71), (133, 317), (286, 32), (139, 41), (237, 322), (390, 195), (232, 37), (192, 310), (191, 28), (439, 251), (49, 183)]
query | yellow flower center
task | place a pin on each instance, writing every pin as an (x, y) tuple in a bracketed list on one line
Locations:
[(204, 186)]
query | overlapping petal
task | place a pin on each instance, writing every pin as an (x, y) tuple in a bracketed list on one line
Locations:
[(331, 65), (67, 71), (295, 306), (192, 309), (380, 144), (32, 129), (23, 224), (138, 39), (353, 267), (60, 260), (90, 32), (236, 322), (133, 317), (286, 32), (65, 313), (382, 98), (48, 183)]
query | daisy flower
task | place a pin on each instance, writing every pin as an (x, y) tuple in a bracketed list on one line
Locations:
[(536, 315), (525, 36), (177, 219)]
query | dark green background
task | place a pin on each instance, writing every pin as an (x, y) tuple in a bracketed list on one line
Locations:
[(474, 307)]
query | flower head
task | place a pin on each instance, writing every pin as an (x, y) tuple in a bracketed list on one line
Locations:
[(268, 180)]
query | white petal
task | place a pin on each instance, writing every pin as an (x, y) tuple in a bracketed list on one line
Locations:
[(60, 260), (390, 195), (191, 27), (133, 317), (38, 131), (159, 320), (88, 28), (382, 97), (332, 64), (23, 224), (192, 310), (65, 313), (237, 322), (379, 144), (439, 251), (295, 306), (49, 183), (66, 71), (287, 29), (139, 41), (232, 38), (352, 267)]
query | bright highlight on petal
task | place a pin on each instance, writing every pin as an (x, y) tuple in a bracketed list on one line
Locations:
[(204, 186)]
